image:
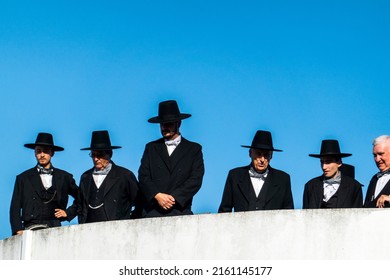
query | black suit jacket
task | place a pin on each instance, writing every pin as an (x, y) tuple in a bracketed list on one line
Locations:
[(179, 175), (120, 192), (370, 201), (275, 193), (349, 194), (26, 203)]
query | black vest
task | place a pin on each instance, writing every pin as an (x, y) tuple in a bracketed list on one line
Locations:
[(332, 202), (96, 212), (256, 203), (49, 203)]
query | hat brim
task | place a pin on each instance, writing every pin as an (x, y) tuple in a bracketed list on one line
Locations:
[(261, 147), (330, 155), (53, 147), (169, 119), (101, 148)]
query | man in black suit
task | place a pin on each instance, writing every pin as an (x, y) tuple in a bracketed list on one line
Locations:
[(333, 189), (172, 167), (40, 196), (107, 191), (378, 191), (257, 186)]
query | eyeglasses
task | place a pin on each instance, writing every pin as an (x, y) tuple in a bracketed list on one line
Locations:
[(97, 154)]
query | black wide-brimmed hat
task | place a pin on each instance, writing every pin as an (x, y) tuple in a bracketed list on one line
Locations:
[(168, 111), (46, 140), (101, 141), (330, 148), (262, 141)]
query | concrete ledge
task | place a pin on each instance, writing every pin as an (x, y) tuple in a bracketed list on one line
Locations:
[(349, 234)]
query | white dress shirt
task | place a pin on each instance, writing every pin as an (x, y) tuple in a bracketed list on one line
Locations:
[(172, 144), (257, 180), (381, 183)]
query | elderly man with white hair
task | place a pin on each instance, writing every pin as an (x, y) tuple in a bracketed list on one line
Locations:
[(378, 192)]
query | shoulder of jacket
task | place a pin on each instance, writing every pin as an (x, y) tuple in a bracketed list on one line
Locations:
[(279, 172), (30, 171), (314, 180)]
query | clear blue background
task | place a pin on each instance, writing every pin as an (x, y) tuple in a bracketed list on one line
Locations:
[(305, 70)]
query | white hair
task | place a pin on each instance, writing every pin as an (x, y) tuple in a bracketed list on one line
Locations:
[(381, 139)]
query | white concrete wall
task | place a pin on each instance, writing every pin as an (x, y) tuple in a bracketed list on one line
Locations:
[(278, 235)]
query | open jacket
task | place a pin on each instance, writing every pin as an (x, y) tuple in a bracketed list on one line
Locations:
[(27, 204), (370, 201), (349, 193), (239, 194), (120, 191)]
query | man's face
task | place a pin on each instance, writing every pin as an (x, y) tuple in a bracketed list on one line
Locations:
[(330, 166), (43, 156), (170, 130), (260, 159), (381, 154), (100, 159)]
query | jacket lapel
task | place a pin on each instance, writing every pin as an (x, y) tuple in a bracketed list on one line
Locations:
[(342, 193), (245, 184), (111, 179), (56, 183), (162, 151), (269, 189), (36, 181), (178, 154)]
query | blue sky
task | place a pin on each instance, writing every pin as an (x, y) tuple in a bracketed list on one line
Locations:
[(304, 70)]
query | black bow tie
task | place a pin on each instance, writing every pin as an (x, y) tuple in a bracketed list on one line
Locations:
[(42, 170), (380, 174)]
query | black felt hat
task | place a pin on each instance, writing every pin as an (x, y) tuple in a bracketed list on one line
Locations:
[(262, 141), (46, 140), (168, 111), (101, 141), (330, 148)]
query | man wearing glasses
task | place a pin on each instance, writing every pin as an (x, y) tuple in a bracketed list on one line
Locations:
[(40, 196), (107, 191)]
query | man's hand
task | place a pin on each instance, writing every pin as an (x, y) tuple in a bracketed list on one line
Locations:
[(380, 203), (59, 213), (165, 201)]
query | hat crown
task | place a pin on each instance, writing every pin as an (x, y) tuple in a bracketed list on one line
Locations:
[(168, 111), (101, 141), (44, 138), (262, 139), (168, 108), (330, 147)]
